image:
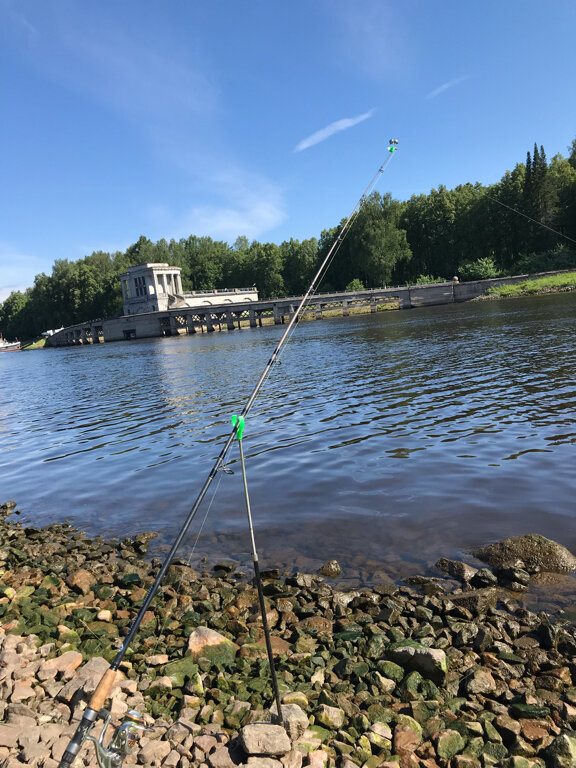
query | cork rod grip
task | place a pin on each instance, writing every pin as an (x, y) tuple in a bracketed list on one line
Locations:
[(103, 690)]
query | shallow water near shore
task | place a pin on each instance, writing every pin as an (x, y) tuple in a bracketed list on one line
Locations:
[(385, 441)]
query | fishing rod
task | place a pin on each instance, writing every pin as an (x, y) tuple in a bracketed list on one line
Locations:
[(127, 733)]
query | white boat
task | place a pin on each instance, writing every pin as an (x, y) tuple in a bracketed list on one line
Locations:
[(9, 346)]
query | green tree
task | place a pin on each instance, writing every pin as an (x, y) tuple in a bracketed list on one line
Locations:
[(541, 202), (14, 320), (435, 232), (205, 259), (562, 176), (505, 229), (373, 247), (299, 259), (137, 253), (236, 272), (265, 267), (355, 285), (481, 269), (572, 155)]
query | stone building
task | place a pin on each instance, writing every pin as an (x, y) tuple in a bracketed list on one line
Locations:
[(158, 287)]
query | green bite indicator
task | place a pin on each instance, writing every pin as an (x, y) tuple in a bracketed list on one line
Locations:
[(238, 422)]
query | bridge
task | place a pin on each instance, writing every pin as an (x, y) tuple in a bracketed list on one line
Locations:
[(253, 314)]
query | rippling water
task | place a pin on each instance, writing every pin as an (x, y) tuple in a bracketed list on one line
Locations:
[(384, 440)]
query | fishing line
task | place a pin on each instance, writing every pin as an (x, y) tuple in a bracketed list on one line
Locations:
[(337, 244), (238, 422), (520, 213), (178, 583), (326, 264), (109, 678)]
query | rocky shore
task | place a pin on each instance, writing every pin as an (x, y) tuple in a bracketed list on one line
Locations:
[(443, 671)]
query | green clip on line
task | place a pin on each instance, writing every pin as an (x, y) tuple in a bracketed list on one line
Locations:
[(238, 422)]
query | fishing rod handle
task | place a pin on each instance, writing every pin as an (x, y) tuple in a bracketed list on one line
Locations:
[(103, 689), (90, 714), (80, 735)]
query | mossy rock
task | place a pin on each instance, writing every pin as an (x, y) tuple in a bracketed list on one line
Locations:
[(495, 750), (205, 643), (95, 647), (377, 713), (49, 619), (183, 670), (391, 670), (321, 733), (449, 744), (410, 722), (103, 629), (424, 710)]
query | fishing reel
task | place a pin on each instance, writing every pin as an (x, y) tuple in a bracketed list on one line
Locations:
[(123, 741)]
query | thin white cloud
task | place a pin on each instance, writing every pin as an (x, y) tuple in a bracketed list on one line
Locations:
[(242, 203), (446, 86), (330, 130), (251, 220), (13, 13)]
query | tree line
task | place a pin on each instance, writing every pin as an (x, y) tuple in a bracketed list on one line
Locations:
[(524, 223)]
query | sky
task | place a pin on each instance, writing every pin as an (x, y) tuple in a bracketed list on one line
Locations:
[(262, 118)]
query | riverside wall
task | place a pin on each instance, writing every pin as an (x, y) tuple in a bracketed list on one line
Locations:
[(202, 319)]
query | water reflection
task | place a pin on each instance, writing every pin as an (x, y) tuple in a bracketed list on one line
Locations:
[(386, 441)]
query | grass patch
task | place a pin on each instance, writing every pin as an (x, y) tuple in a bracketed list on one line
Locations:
[(38, 344), (550, 284)]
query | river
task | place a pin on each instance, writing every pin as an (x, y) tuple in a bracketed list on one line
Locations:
[(385, 441)]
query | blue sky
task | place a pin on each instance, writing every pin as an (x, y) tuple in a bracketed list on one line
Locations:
[(264, 118)]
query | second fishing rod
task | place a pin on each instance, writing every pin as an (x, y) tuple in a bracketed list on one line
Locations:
[(104, 687)]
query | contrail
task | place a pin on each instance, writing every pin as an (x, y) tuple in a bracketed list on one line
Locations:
[(446, 86), (330, 130)]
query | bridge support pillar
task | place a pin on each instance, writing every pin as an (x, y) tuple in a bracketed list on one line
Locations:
[(252, 316), (318, 312), (278, 316), (229, 320), (345, 308)]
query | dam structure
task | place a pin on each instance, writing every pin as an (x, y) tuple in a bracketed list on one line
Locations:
[(154, 305)]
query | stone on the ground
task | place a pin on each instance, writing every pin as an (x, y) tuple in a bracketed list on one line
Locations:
[(532, 549), (262, 739), (331, 569), (294, 719), (207, 643), (430, 662)]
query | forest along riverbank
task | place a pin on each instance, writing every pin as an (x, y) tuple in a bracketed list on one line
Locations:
[(445, 671)]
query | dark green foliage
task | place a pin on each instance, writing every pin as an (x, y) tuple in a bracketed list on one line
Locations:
[(427, 279), (531, 210), (561, 257), (355, 285), (481, 269), (299, 264), (374, 247)]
